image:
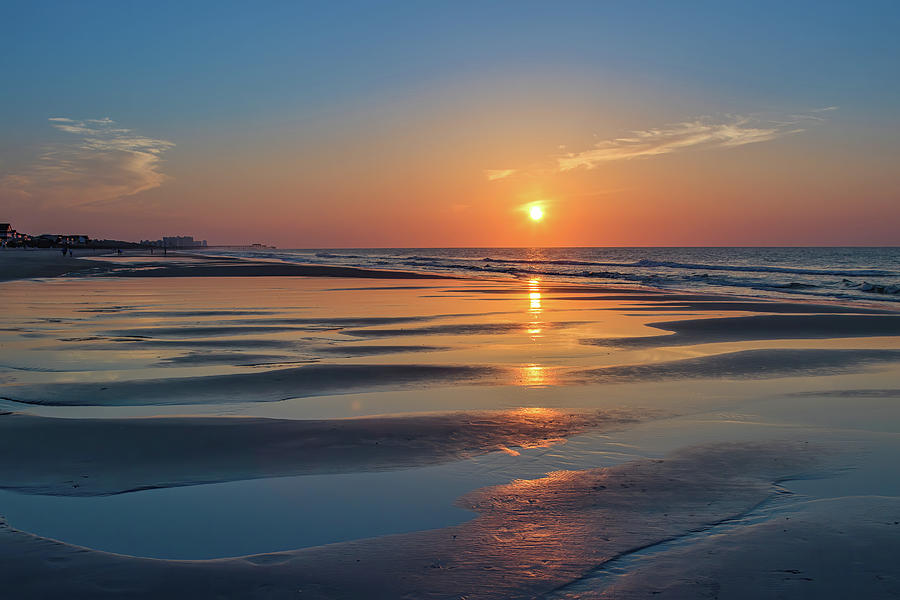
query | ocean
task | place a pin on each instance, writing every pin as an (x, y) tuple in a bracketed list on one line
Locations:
[(852, 273)]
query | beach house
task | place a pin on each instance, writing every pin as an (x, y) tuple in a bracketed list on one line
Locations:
[(6, 233)]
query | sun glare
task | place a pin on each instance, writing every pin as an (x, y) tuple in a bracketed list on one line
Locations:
[(536, 213)]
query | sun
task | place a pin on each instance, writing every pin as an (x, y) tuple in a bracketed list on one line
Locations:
[(536, 213)]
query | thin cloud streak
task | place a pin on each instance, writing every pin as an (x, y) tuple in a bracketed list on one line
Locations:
[(104, 164), (699, 133), (496, 174)]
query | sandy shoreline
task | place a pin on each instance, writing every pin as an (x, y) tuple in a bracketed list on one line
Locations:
[(457, 371), (550, 537), (25, 264), (541, 534), (19, 263)]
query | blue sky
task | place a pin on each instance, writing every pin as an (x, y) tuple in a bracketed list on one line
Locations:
[(208, 75)]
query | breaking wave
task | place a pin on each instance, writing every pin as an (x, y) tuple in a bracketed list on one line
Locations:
[(842, 273)]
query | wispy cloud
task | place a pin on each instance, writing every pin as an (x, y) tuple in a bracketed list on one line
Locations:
[(101, 162), (495, 174), (704, 132)]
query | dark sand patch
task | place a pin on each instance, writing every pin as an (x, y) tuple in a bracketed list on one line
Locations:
[(383, 287), (760, 306), (746, 364), (16, 263), (644, 297), (529, 538), (310, 354), (827, 549), (21, 264), (759, 327), (450, 329), (864, 393), (120, 344), (226, 358), (165, 314), (263, 386), (332, 322), (90, 457), (361, 321), (455, 329), (508, 288), (213, 268), (107, 309), (269, 325), (202, 331), (349, 350), (321, 379)]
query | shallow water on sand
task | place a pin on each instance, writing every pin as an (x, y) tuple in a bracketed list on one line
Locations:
[(275, 514), (333, 349)]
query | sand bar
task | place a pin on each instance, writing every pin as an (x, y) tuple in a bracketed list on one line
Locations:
[(113, 456)]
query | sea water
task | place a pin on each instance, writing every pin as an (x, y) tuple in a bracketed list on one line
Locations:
[(853, 273)]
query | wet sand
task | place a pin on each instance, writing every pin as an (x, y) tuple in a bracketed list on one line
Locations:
[(141, 373), (18, 263), (761, 327), (115, 456), (322, 379), (857, 537), (530, 538)]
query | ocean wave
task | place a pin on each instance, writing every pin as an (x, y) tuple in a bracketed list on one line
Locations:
[(763, 269), (647, 263), (872, 288), (810, 279), (330, 255), (560, 262)]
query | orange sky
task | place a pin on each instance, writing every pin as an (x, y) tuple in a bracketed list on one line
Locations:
[(442, 140)]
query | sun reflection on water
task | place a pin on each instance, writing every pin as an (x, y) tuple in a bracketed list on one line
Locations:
[(533, 375), (534, 309), (534, 295)]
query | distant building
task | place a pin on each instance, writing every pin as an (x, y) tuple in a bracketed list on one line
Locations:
[(11, 237), (74, 239), (47, 240), (176, 241)]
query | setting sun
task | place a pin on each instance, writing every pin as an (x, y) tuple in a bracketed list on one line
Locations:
[(536, 213)]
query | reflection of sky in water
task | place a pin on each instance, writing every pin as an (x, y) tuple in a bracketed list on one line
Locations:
[(276, 514), (266, 515), (245, 517)]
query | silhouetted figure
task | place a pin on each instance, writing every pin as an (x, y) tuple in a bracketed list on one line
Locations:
[(65, 250)]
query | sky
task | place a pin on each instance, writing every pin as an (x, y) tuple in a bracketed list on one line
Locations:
[(433, 124)]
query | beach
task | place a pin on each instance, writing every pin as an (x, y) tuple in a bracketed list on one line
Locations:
[(213, 426)]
